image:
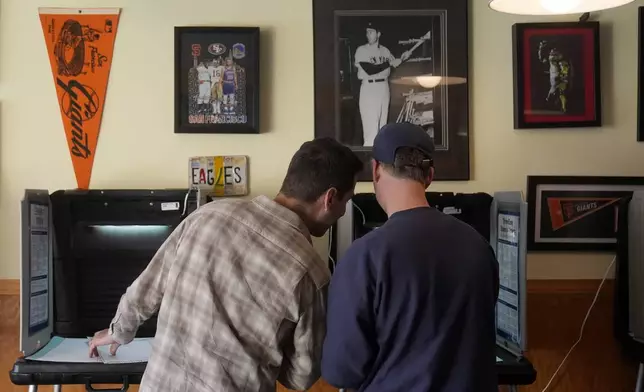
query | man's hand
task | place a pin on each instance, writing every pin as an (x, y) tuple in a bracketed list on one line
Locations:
[(405, 56), (102, 338), (396, 63)]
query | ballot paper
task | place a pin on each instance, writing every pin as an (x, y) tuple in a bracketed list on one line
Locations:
[(76, 350), (138, 350)]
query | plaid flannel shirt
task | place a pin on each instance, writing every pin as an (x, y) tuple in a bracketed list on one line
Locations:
[(241, 300)]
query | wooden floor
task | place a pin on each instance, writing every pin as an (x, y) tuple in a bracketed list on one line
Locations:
[(556, 310)]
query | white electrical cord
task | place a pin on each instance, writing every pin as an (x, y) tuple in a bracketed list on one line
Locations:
[(330, 243), (583, 324), (364, 218), (185, 201)]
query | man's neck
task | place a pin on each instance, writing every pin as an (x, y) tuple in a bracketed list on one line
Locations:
[(405, 196), (296, 206)]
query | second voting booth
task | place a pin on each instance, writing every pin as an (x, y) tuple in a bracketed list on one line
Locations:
[(502, 220), (629, 280)]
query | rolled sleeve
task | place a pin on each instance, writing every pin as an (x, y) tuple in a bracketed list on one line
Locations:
[(301, 365)]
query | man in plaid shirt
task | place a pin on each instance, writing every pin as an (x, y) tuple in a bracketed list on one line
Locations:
[(239, 289)]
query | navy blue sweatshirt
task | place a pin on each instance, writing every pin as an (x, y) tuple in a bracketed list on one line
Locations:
[(412, 308)]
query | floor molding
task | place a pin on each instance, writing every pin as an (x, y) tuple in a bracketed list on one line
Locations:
[(9, 287)]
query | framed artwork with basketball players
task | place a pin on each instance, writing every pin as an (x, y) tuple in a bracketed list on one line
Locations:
[(556, 75), (216, 80), (378, 62)]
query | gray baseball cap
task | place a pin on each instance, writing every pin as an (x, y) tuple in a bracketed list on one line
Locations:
[(393, 136)]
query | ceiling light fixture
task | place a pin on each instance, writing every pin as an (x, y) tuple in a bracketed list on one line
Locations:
[(554, 7)]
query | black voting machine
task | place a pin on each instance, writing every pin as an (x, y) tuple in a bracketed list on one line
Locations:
[(477, 209), (100, 241)]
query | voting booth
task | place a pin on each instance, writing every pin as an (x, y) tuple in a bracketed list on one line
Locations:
[(629, 280), (502, 220), (80, 251)]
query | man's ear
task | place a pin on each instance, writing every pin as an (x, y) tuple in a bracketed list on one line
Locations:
[(330, 197), (374, 170), (430, 177)]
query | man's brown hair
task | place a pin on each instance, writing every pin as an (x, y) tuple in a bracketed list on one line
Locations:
[(319, 165)]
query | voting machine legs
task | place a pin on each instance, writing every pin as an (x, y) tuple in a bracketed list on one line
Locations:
[(57, 388), (502, 220), (80, 251)]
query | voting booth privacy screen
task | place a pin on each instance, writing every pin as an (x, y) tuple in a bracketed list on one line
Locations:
[(508, 237), (501, 219), (80, 252), (629, 275)]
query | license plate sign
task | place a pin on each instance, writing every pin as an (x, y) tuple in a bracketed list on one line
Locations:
[(222, 175)]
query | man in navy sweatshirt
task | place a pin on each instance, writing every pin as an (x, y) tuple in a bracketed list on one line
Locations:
[(412, 304)]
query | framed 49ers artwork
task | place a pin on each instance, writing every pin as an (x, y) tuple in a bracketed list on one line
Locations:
[(379, 62), (216, 80)]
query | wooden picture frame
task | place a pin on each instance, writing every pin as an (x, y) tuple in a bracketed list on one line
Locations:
[(428, 87), (216, 80), (576, 213), (556, 71)]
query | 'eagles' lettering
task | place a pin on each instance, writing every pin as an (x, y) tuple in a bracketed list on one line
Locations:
[(225, 176), (201, 176)]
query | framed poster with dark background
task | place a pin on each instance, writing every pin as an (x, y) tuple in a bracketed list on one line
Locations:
[(426, 83), (216, 80), (556, 75), (576, 213)]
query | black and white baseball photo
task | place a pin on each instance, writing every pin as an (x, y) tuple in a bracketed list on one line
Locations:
[(375, 49)]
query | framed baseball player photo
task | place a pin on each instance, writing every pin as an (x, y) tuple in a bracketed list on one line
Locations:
[(379, 62), (216, 80)]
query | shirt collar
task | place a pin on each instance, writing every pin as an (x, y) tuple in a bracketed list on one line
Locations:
[(282, 213)]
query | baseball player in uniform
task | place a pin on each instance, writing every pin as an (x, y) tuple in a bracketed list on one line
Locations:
[(229, 85), (203, 76), (215, 77), (374, 63)]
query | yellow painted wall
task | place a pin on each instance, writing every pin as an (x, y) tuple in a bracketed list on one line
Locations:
[(138, 149)]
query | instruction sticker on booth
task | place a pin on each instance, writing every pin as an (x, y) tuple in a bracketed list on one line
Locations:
[(223, 175)]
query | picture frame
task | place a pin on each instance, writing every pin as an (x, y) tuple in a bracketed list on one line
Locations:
[(556, 70), (429, 86), (640, 75), (216, 79), (576, 213)]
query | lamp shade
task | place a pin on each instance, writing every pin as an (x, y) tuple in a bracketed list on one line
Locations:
[(429, 81), (553, 7)]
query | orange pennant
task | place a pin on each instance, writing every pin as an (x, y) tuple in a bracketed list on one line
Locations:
[(80, 43)]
